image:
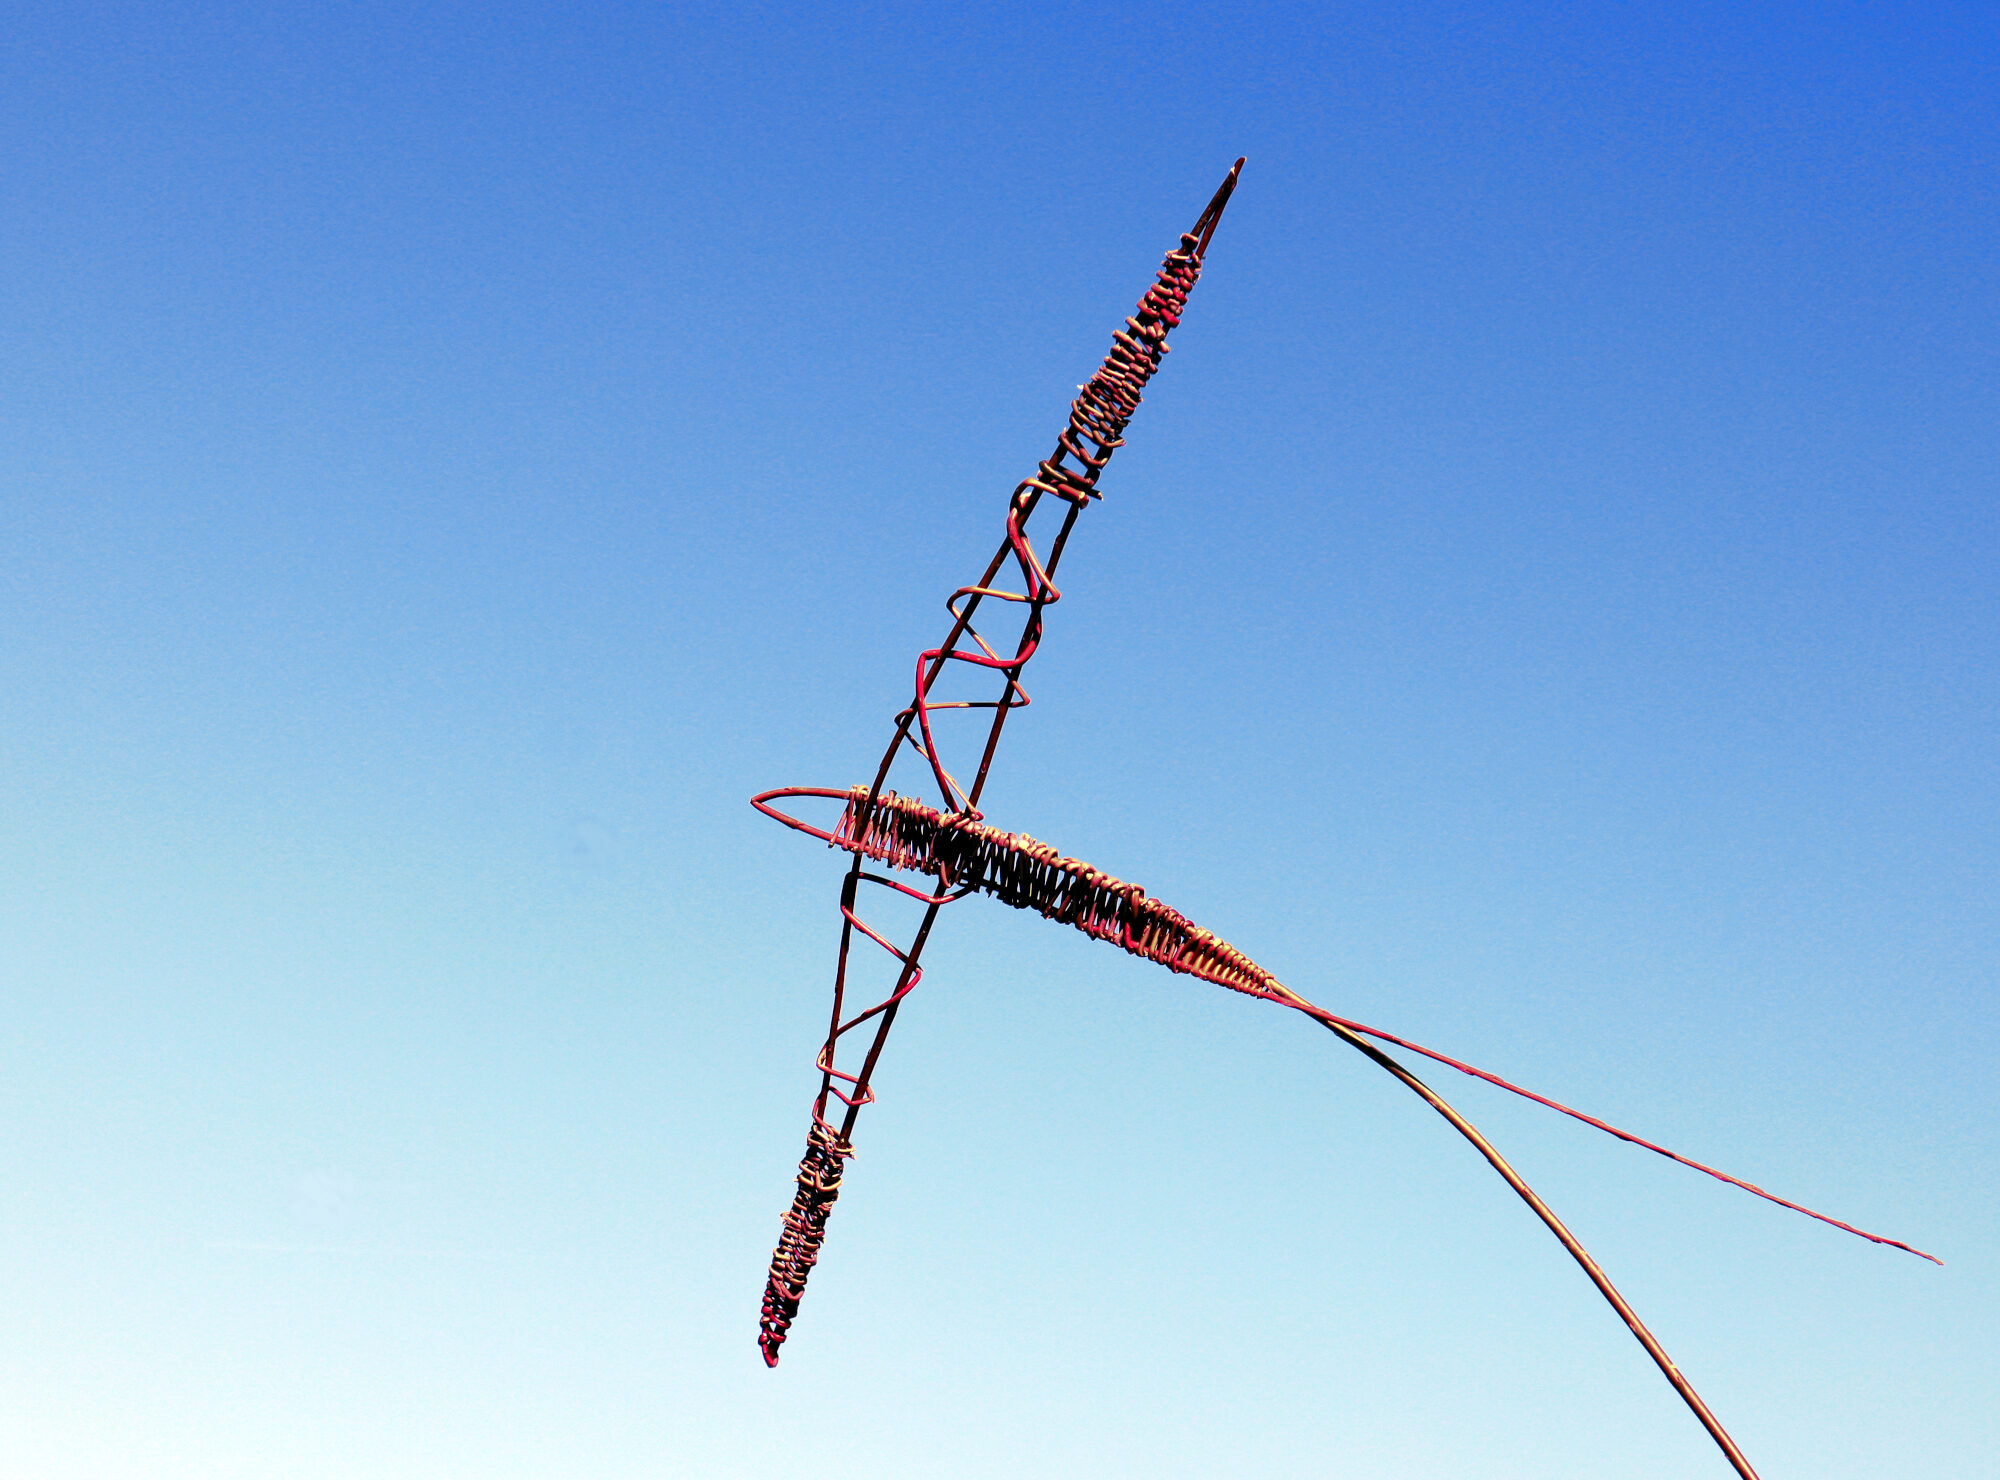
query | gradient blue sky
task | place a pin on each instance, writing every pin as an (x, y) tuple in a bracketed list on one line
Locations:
[(453, 455)]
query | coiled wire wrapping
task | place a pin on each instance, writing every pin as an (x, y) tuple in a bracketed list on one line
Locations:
[(804, 1227), (1105, 403), (967, 856)]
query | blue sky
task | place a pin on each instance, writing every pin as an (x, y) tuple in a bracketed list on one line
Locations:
[(451, 456)]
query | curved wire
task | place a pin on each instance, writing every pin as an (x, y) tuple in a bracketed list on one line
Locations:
[(1569, 1241)]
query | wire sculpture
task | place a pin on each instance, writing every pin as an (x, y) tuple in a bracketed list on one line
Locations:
[(963, 855)]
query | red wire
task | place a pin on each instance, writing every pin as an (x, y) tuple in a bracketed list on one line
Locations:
[(1591, 1120)]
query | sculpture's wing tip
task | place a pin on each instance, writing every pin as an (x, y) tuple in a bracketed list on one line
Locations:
[(1205, 227)]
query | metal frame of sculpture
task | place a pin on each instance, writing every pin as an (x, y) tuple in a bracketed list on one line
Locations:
[(953, 847)]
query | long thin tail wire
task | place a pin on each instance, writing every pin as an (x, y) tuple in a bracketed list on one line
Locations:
[(1321, 1015)]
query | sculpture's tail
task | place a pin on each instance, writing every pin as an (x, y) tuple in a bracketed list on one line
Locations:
[(804, 1230)]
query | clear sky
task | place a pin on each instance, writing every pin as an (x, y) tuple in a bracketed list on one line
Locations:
[(450, 456)]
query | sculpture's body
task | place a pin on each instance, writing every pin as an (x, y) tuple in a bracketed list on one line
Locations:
[(959, 854)]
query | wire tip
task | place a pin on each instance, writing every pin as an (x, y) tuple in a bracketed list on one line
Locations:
[(1204, 229)]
